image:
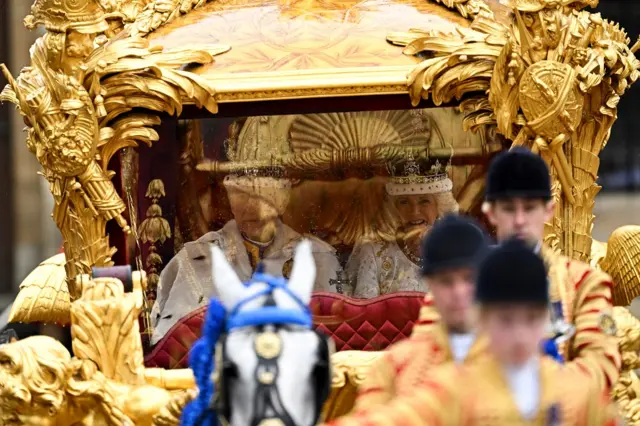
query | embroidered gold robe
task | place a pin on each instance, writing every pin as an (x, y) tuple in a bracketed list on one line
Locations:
[(478, 394), (382, 268), (585, 295), (405, 364), (186, 283)]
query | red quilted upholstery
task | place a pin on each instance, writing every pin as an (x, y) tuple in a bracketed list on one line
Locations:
[(354, 324), (366, 324)]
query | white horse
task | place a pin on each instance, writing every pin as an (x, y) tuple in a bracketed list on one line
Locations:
[(271, 366)]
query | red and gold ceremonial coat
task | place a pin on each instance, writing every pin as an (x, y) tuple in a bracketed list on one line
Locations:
[(405, 364), (478, 394), (585, 296)]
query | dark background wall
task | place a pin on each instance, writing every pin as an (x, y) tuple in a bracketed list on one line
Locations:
[(620, 160), (6, 167)]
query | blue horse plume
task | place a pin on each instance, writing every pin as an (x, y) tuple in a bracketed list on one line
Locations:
[(202, 356), (202, 361)]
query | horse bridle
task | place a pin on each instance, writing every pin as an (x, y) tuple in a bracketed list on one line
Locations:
[(268, 409)]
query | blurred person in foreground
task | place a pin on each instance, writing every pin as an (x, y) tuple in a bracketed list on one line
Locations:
[(518, 203), (513, 384), (452, 252)]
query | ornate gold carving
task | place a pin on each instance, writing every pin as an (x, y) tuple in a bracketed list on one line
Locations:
[(77, 102), (103, 309), (103, 384), (236, 95), (538, 73), (620, 258), (84, 16), (154, 230), (626, 392), (349, 369), (160, 12), (44, 295), (469, 9), (170, 414)]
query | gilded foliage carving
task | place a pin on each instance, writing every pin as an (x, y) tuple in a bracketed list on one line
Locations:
[(159, 12), (468, 8), (550, 81), (627, 391), (78, 98), (105, 383)]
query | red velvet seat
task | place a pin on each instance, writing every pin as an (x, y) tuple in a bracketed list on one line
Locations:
[(354, 324)]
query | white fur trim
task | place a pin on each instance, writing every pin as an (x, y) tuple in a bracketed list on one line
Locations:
[(418, 188), (256, 182)]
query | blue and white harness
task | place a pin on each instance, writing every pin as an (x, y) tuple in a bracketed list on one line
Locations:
[(268, 314), (211, 402)]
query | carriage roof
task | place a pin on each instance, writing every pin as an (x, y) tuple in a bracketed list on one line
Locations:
[(305, 49)]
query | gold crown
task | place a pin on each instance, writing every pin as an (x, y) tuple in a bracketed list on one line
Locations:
[(411, 173)]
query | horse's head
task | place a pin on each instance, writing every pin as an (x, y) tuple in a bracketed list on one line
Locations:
[(271, 365)]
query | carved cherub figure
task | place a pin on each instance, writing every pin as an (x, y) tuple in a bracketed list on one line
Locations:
[(41, 385), (32, 381), (104, 384)]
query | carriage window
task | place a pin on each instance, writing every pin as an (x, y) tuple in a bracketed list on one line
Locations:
[(364, 187)]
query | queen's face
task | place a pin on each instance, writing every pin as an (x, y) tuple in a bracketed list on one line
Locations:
[(416, 211)]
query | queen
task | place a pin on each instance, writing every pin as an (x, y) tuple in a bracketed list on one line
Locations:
[(391, 265)]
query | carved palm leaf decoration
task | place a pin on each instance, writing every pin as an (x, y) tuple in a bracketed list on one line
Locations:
[(127, 74), (77, 123), (105, 330), (362, 210), (456, 65), (540, 92)]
